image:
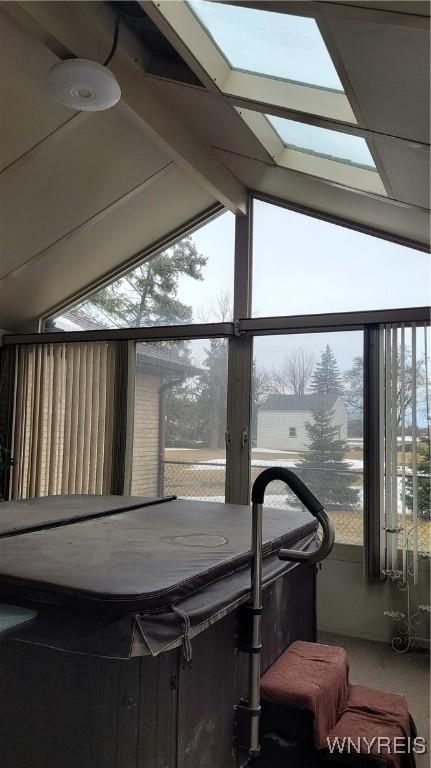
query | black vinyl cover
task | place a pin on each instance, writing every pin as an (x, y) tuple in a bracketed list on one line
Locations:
[(85, 630), (141, 559), (27, 515)]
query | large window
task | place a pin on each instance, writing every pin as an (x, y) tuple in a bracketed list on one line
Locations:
[(180, 419), (189, 282), (307, 415), (302, 265), (165, 421)]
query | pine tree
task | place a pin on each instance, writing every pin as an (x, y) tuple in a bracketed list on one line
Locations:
[(326, 377), (423, 482), (213, 395), (323, 467), (148, 294)]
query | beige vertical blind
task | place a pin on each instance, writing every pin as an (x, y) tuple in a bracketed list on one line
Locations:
[(406, 435), (63, 418)]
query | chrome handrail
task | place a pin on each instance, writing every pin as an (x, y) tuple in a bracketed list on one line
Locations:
[(255, 649)]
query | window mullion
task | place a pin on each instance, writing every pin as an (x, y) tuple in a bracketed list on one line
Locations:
[(372, 454), (240, 372)]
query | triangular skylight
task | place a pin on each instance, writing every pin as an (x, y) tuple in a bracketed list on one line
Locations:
[(269, 43)]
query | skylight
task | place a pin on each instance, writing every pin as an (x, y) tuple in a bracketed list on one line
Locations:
[(335, 156), (333, 145), (268, 43)]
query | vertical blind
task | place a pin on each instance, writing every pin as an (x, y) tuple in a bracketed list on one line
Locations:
[(64, 413), (406, 427)]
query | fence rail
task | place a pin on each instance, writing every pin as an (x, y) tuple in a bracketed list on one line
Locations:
[(205, 481)]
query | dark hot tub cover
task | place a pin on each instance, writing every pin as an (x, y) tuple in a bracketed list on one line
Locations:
[(141, 559)]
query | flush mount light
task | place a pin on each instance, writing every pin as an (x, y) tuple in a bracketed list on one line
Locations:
[(83, 85)]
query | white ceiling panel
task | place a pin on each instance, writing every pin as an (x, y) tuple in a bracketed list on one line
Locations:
[(388, 67), (27, 113), (215, 120), (52, 278), (408, 171), (94, 165)]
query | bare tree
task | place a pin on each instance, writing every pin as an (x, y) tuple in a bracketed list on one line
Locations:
[(353, 385), (294, 374), (219, 311)]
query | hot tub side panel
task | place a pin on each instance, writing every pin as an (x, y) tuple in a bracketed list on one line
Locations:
[(79, 711)]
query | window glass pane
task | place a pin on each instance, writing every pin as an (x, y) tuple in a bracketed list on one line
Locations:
[(302, 265), (267, 43), (307, 415), (180, 419), (190, 282), (323, 142)]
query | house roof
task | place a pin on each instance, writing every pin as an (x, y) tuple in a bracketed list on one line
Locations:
[(297, 402)]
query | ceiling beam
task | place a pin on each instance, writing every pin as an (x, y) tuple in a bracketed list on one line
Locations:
[(86, 30)]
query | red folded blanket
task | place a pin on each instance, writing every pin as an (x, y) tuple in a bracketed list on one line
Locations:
[(377, 723), (310, 676)]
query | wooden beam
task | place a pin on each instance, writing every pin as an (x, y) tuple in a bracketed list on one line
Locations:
[(86, 30)]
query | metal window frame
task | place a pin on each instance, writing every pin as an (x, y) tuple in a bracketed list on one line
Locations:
[(240, 364), (341, 222), (240, 333), (373, 563), (152, 250)]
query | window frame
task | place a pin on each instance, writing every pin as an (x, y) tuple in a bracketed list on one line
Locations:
[(323, 167), (241, 332), (329, 104)]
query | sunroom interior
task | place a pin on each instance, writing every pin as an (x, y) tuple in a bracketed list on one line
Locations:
[(226, 272)]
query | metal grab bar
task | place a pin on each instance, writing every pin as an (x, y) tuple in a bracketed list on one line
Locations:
[(315, 507)]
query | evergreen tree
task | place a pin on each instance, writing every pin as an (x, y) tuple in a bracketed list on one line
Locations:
[(184, 425), (323, 467), (326, 377), (148, 294), (423, 482), (261, 387), (213, 395)]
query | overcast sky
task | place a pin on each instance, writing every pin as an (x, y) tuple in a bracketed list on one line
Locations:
[(303, 265)]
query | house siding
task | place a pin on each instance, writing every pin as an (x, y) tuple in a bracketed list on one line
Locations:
[(146, 436), (273, 428)]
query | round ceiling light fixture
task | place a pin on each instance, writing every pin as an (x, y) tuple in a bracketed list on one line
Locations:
[(83, 85)]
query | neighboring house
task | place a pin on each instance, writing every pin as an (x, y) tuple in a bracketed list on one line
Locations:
[(281, 420)]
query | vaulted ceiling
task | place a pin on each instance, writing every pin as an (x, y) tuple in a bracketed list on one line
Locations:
[(83, 193)]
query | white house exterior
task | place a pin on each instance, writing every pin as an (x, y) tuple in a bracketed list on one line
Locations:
[(281, 420)]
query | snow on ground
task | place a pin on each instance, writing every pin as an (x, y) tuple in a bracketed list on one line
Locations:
[(270, 501), (221, 463), (269, 450)]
